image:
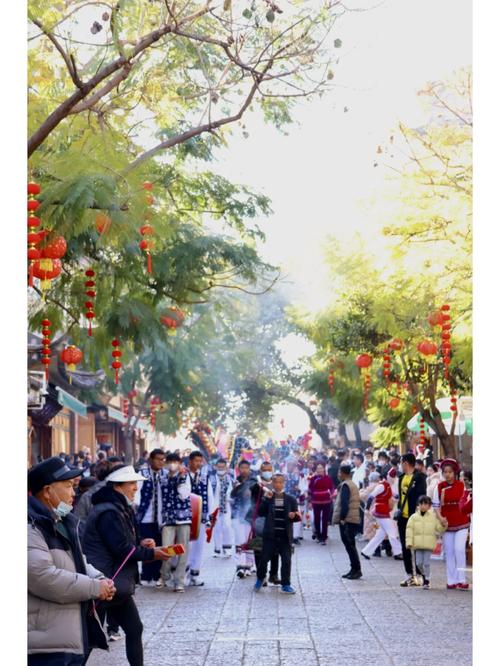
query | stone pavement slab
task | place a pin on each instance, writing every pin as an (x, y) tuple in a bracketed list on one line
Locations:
[(369, 622)]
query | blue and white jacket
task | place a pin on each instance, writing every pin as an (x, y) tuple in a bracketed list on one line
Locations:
[(145, 493), (201, 486), (176, 505)]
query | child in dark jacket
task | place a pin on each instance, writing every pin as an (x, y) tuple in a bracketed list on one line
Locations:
[(280, 511)]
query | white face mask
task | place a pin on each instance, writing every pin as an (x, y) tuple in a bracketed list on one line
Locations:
[(173, 467), (267, 476), (221, 472), (63, 509)]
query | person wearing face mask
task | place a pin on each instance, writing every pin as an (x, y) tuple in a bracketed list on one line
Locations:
[(264, 484), (321, 494), (61, 582), (223, 532), (176, 518), (112, 543), (200, 485)]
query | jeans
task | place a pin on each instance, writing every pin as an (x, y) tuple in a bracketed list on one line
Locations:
[(127, 616), (407, 556), (150, 570), (322, 517), (269, 548), (423, 562), (55, 659), (347, 533)]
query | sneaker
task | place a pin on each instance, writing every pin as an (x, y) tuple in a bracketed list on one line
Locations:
[(148, 583), (398, 557), (114, 636), (367, 557), (323, 543), (287, 589), (258, 585), (240, 573), (451, 587), (426, 585), (463, 586), (226, 553), (160, 583), (264, 582), (355, 575), (274, 580), (217, 553), (179, 588), (196, 581), (409, 582)]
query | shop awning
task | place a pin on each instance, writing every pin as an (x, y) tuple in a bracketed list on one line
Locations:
[(69, 401), (116, 415)]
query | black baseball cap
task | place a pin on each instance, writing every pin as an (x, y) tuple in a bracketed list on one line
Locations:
[(49, 471)]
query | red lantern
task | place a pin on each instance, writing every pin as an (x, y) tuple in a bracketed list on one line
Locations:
[(46, 270), (364, 361), (71, 356), (396, 344), (56, 248), (116, 365), (445, 339), (394, 403), (102, 223), (427, 348), (173, 319), (89, 305), (34, 254), (46, 324), (436, 318), (147, 229)]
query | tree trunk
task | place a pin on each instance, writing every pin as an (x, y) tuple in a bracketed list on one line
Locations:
[(357, 434), (343, 433), (446, 439), (129, 446)]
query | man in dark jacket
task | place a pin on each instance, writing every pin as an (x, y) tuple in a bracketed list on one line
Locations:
[(280, 511), (412, 485), (60, 581), (111, 542)]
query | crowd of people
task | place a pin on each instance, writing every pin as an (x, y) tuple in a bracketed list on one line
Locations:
[(97, 528)]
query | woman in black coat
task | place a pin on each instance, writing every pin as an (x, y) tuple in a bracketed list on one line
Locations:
[(111, 543)]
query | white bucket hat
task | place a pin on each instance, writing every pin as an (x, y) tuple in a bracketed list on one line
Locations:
[(124, 474)]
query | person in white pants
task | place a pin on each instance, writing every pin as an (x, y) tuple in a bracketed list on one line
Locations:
[(381, 497), (199, 486), (454, 549), (223, 530)]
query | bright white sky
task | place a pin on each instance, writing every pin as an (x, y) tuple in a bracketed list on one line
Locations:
[(317, 176)]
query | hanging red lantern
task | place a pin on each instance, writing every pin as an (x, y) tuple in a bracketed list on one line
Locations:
[(146, 229), (116, 365), (102, 223), (46, 270), (55, 249), (71, 356), (90, 292), (436, 318), (396, 344), (173, 318), (394, 403), (46, 324), (427, 348), (445, 339), (364, 361), (33, 223)]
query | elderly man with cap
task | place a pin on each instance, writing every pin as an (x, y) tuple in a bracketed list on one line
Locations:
[(111, 542), (60, 581)]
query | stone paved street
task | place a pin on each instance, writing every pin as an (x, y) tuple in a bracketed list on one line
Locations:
[(329, 621)]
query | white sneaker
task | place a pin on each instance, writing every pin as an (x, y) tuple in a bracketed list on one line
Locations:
[(196, 581), (226, 553), (160, 583)]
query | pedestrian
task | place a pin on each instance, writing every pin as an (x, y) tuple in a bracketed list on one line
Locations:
[(61, 583), (292, 487), (383, 465), (446, 502), (381, 507), (321, 494), (365, 495), (411, 486), (149, 512), (466, 500), (333, 468), (358, 476), (199, 486), (84, 506), (264, 483), (280, 511), (175, 519), (346, 515), (421, 531), (433, 478), (222, 485), (241, 502), (85, 484), (112, 543)]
